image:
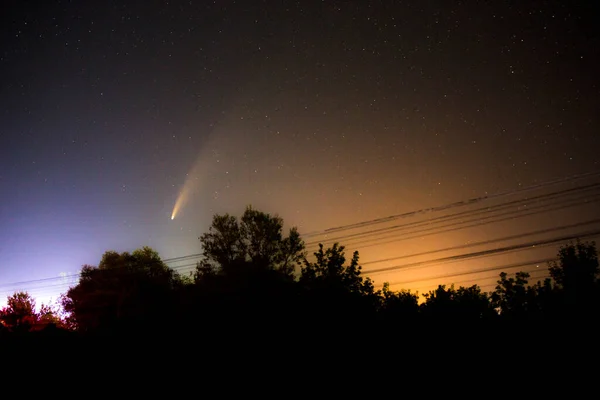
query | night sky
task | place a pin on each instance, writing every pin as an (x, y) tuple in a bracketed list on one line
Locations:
[(327, 113)]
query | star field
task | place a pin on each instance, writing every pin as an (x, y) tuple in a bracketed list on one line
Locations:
[(327, 113)]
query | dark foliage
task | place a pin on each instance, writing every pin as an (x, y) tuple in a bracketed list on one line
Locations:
[(256, 286)]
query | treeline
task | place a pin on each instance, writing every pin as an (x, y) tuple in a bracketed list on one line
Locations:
[(255, 279)]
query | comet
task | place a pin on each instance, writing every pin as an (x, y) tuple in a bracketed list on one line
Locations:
[(190, 186), (196, 173)]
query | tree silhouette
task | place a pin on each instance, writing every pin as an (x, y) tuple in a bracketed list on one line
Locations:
[(576, 270), (19, 313), (513, 298), (337, 292), (329, 271), (247, 271), (462, 305), (397, 309), (577, 266), (256, 240), (543, 301), (575, 274), (49, 315), (125, 289)]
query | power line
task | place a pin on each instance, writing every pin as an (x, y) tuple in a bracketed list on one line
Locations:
[(453, 205), (477, 271), (482, 287), (452, 227), (65, 285), (565, 203), (365, 243), (484, 242), (484, 210), (533, 275), (181, 258), (488, 252), (77, 275)]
